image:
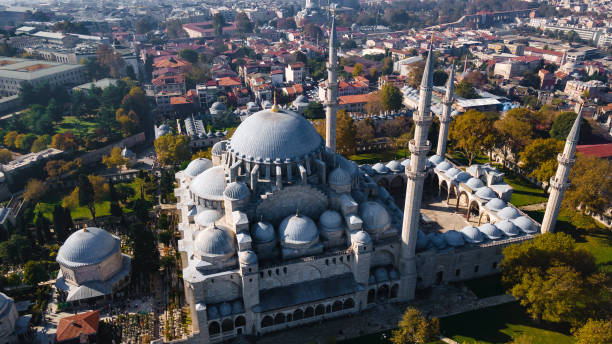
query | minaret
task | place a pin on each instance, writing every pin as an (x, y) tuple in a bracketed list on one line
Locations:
[(419, 147), (331, 101), (445, 119), (559, 183)]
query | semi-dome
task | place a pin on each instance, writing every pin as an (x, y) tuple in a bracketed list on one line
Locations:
[(263, 232), (215, 241), (209, 184), (275, 135), (496, 204), (374, 216), (197, 166), (525, 224), (474, 183), (491, 231), (380, 168), (437, 240), (236, 191), (444, 165), (452, 172), (339, 177), (463, 177), (298, 229), (435, 159), (218, 148), (87, 247), (508, 228), (472, 235), (207, 217), (486, 192), (247, 257), (330, 220), (454, 238), (394, 166), (361, 237), (508, 213)]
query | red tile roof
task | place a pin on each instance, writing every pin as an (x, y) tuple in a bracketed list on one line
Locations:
[(73, 326), (354, 99), (600, 151)]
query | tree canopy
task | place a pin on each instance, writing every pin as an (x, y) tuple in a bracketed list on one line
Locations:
[(562, 124), (172, 149), (466, 90), (415, 328), (591, 185), (539, 158), (471, 133), (594, 332), (391, 97)]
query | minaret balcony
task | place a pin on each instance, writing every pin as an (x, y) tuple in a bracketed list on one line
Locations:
[(422, 120), (563, 160), (418, 150), (558, 185)]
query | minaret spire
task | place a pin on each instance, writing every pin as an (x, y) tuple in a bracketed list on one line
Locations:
[(445, 119), (415, 172), (331, 101), (559, 183)]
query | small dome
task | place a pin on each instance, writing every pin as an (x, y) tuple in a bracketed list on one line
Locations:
[(381, 275), (209, 184), (218, 148), (438, 241), (422, 240), (207, 217), (361, 237), (212, 312), (508, 213), (525, 224), (263, 232), (218, 106), (444, 165), (474, 183), (393, 274), (490, 231), (237, 191), (374, 216), (367, 169), (486, 192), (237, 307), (330, 220), (88, 246), (298, 229), (339, 177), (405, 162), (247, 257), (496, 204), (463, 177), (454, 238), (380, 168), (225, 309), (472, 235), (395, 166), (508, 228), (451, 172), (435, 159), (214, 241)]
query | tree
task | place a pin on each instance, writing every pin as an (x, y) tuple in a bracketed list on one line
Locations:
[(42, 228), (562, 124), (143, 26), (466, 90), (591, 186), (108, 58), (594, 332), (357, 69), (86, 195), (415, 328), (115, 158), (34, 190), (146, 255), (189, 55), (9, 139), (172, 149), (345, 134), (314, 110), (364, 131), (243, 24), (374, 104), (391, 97), (312, 31), (65, 141), (128, 120), (514, 134), (439, 77), (174, 29), (476, 78), (5, 156), (35, 272), (415, 74), (16, 250), (539, 158), (53, 110), (101, 189), (470, 133), (24, 142), (59, 223), (387, 66), (41, 143), (555, 280), (218, 23)]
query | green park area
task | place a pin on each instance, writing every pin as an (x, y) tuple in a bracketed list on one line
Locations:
[(79, 127), (376, 157), (525, 193)]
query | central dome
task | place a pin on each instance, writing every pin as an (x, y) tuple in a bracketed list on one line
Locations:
[(275, 135)]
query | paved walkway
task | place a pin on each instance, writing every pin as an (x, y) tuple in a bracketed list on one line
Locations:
[(444, 301), (531, 207)]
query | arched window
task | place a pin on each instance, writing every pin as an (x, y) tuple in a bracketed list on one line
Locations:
[(279, 319), (319, 310), (309, 312), (227, 325), (298, 315), (383, 292), (240, 321), (213, 328), (348, 304), (328, 309), (337, 306), (371, 295), (394, 291), (267, 321)]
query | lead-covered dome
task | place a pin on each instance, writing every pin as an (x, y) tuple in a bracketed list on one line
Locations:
[(298, 229), (236, 191), (361, 237), (330, 220), (435, 159), (474, 183), (508, 213), (496, 204), (444, 165), (394, 166), (214, 241), (209, 184), (374, 216), (275, 135), (508, 228), (197, 166), (339, 177), (87, 247), (491, 231), (207, 217), (472, 235), (263, 232), (486, 192), (454, 238), (525, 224)]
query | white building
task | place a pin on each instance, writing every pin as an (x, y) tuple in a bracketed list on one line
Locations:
[(14, 71)]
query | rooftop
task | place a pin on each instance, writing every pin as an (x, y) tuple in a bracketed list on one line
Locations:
[(73, 326), (27, 69)]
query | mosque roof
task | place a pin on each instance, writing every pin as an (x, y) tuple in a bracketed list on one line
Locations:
[(247, 257), (5, 304), (509, 228), (454, 238), (486, 193), (330, 220), (236, 191), (444, 165), (472, 235), (275, 135), (436, 159), (88, 246), (214, 241), (298, 229), (209, 184), (207, 217), (263, 232), (339, 177), (197, 166), (525, 224), (474, 183), (496, 204), (394, 166), (361, 237), (508, 213), (374, 216), (491, 231)]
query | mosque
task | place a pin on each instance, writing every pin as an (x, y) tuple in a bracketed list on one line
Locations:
[(279, 231)]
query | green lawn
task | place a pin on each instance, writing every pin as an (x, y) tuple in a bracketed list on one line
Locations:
[(524, 192), (373, 158), (77, 126), (486, 286), (459, 158)]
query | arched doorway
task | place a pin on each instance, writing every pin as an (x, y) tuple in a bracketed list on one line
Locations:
[(337, 306), (214, 328), (348, 304), (473, 210), (383, 292), (240, 321), (309, 312), (298, 315), (319, 310), (371, 295), (267, 321), (279, 319), (443, 190), (394, 291)]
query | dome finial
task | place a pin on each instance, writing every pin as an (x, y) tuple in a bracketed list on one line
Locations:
[(275, 106)]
